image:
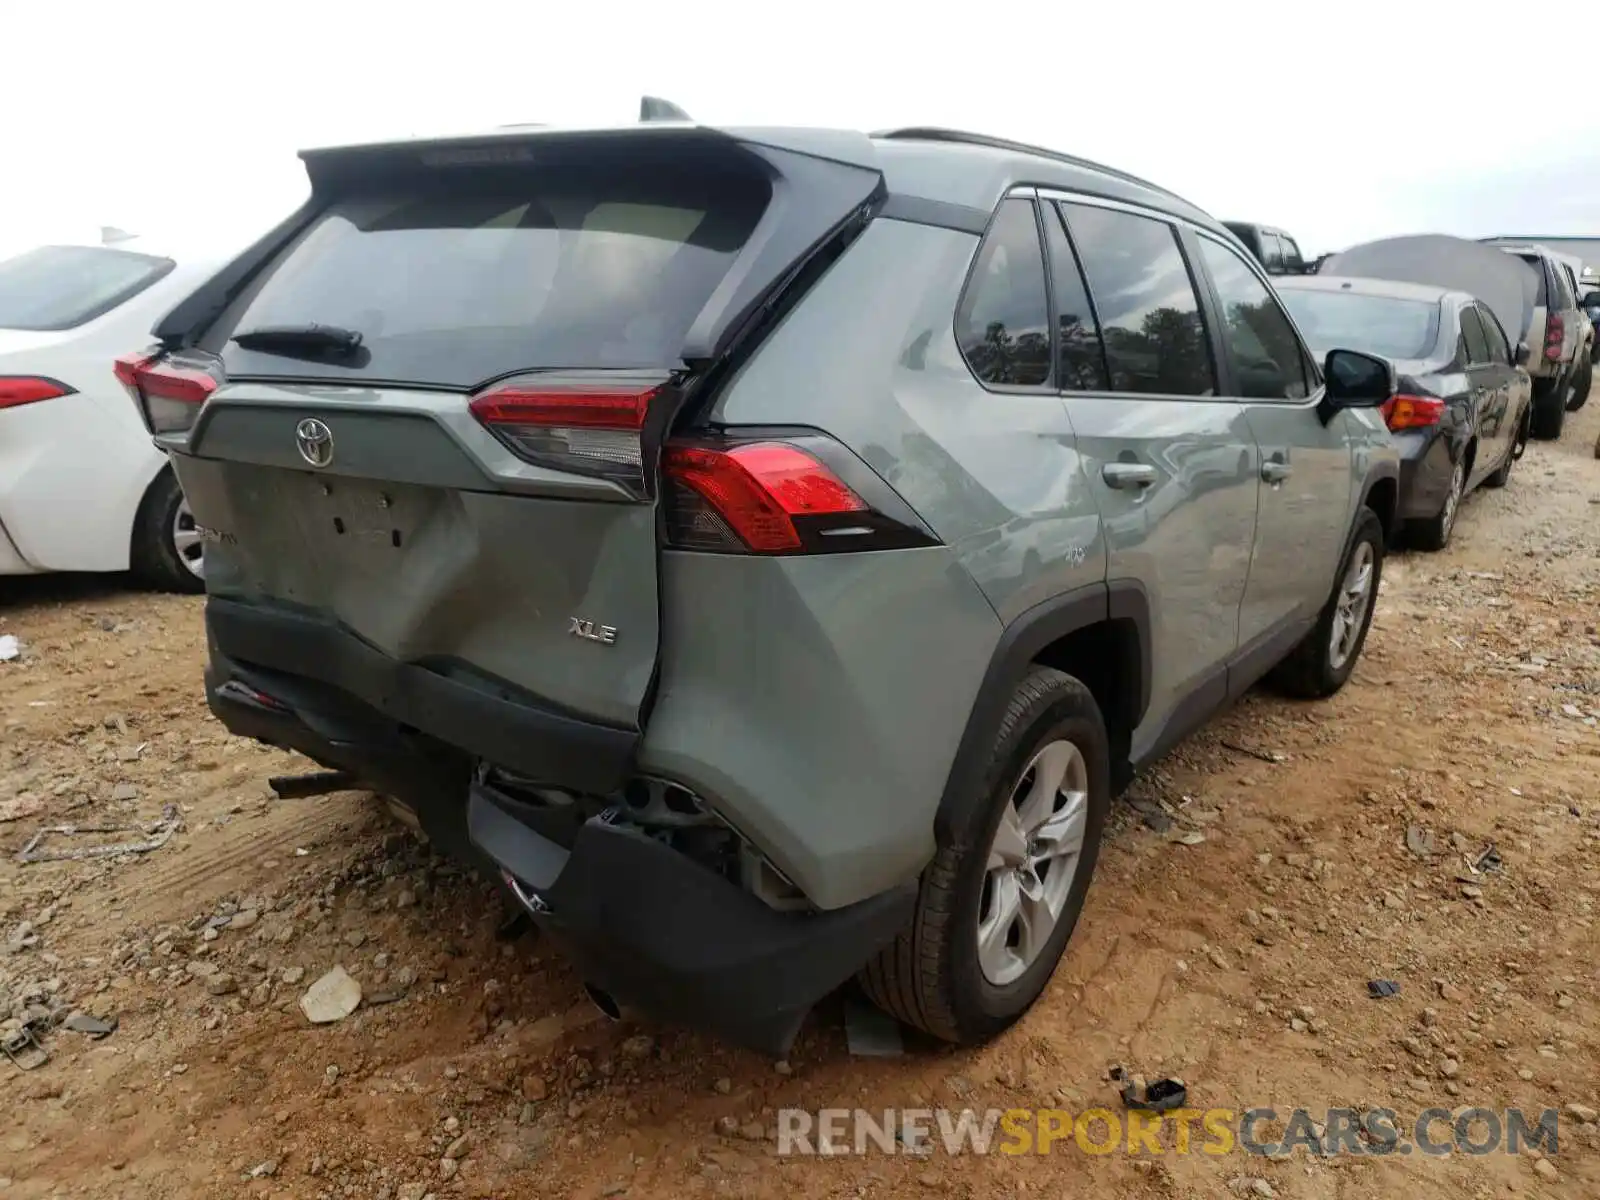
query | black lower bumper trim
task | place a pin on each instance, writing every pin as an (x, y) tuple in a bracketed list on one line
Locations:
[(656, 930), (501, 725), (427, 778)]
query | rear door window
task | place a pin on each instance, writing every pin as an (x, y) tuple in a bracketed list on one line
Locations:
[(454, 288), (1150, 318), (1499, 347), (1080, 356), (54, 288), (1003, 319), (1472, 333)]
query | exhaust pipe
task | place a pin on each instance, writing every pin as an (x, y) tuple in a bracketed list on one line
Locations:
[(604, 1001)]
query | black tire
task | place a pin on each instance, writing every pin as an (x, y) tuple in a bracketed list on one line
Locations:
[(1309, 672), (1549, 408), (1434, 533), (156, 561), (1582, 381), (930, 977)]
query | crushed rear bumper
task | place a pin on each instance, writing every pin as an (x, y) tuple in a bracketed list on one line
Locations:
[(455, 704), (641, 921), (656, 930)]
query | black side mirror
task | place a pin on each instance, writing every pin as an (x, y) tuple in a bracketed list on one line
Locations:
[(1521, 355), (1591, 300), (1355, 380)]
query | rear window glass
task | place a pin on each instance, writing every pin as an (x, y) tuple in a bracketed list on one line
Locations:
[(454, 289), (1383, 325), (1534, 261), (62, 287)]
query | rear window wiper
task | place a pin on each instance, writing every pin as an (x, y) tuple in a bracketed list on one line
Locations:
[(288, 339)]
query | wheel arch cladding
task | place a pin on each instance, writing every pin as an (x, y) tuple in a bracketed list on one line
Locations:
[(1382, 495), (1100, 635)]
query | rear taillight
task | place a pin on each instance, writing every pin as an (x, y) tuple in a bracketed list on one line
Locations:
[(1412, 412), (169, 395), (769, 498), (590, 428), (17, 390), (1555, 332)]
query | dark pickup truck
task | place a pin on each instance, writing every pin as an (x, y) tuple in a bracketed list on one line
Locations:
[(1274, 249)]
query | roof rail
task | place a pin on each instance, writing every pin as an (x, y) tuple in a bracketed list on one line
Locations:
[(931, 133), (653, 108)]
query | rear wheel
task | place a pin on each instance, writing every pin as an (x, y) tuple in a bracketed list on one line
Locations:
[(1513, 452), (168, 553), (1549, 408), (1434, 533), (1321, 664), (1582, 380), (999, 902)]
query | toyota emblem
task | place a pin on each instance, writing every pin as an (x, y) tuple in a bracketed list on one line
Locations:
[(315, 441)]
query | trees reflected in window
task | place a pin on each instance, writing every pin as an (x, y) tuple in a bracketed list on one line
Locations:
[(1080, 359), (1003, 323), (1155, 341), (1262, 346)]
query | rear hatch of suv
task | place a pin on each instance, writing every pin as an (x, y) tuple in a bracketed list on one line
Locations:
[(420, 424)]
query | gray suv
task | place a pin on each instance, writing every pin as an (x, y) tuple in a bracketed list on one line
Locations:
[(768, 551)]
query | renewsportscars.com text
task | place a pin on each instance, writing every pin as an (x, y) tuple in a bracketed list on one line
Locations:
[(1213, 1131)]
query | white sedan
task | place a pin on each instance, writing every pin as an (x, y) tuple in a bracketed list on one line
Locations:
[(82, 488)]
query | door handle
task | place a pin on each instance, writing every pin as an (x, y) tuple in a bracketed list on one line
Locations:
[(1275, 470), (1128, 475)]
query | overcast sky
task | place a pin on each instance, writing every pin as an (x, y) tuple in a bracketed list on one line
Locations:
[(181, 120)]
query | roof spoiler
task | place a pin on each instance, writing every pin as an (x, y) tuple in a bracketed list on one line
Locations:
[(823, 184), (653, 108)]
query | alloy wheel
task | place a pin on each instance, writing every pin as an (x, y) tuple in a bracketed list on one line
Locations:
[(1452, 501), (188, 542), (1033, 860), (1353, 600)]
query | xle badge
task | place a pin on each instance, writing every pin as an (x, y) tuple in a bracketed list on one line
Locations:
[(604, 634)]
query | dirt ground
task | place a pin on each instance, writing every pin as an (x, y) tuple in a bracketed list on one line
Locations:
[(1232, 949)]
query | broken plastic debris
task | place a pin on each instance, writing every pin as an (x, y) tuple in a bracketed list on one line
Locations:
[(91, 1025), (1159, 1096), (156, 832), (1380, 988), (10, 647), (24, 1049), (869, 1032)]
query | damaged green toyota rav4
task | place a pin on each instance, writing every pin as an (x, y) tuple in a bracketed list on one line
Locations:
[(767, 550)]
